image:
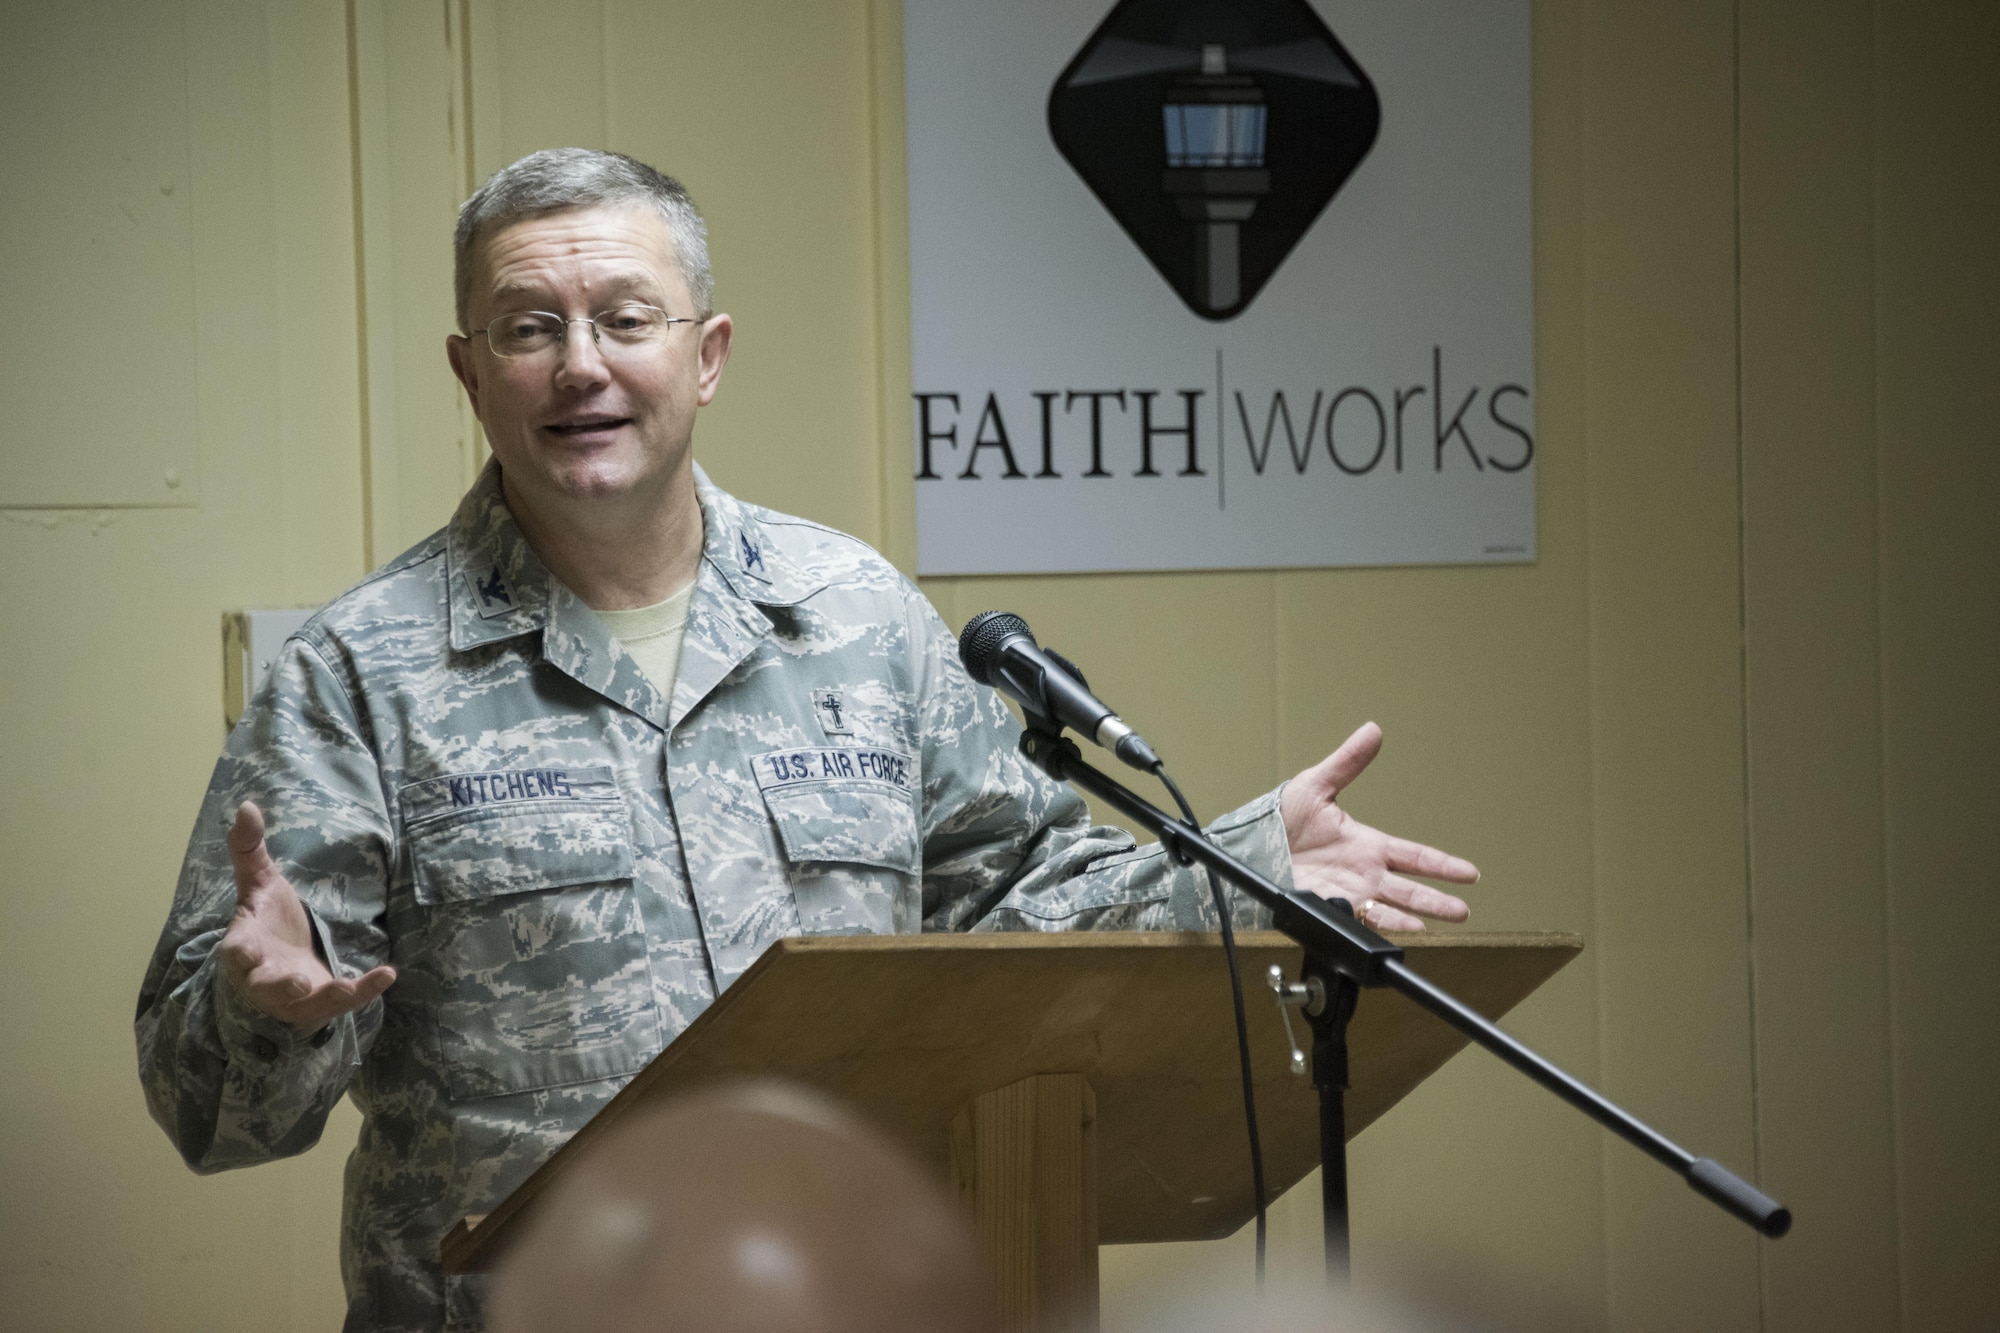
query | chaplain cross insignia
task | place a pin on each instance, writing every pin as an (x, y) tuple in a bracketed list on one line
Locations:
[(831, 705)]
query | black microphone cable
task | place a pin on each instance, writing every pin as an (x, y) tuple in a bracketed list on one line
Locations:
[(1242, 1023), (1051, 702)]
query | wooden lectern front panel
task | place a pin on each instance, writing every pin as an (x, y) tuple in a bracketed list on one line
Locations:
[(1024, 1161), (911, 1029)]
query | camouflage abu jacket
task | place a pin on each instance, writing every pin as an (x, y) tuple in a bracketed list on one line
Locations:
[(464, 776)]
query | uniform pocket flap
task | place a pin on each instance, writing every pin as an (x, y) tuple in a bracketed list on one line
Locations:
[(843, 804), (485, 835)]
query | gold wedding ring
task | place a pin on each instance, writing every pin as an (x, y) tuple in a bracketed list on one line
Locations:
[(1362, 909)]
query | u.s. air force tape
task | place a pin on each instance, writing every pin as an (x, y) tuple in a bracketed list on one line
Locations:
[(852, 763)]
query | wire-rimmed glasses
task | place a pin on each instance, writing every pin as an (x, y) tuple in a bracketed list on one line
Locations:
[(631, 326)]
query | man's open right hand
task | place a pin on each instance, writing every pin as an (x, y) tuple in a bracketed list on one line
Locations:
[(268, 953)]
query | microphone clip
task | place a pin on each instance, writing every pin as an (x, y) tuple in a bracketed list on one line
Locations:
[(1047, 748), (1034, 719)]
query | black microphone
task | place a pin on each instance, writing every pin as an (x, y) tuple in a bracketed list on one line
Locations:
[(999, 650)]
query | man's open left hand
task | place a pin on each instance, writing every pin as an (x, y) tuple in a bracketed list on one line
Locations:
[(1335, 855), (268, 952)]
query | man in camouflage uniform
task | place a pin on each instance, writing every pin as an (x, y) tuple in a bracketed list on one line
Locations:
[(465, 860)]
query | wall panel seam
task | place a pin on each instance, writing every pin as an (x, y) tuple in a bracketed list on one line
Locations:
[(365, 388), (471, 181), (194, 271), (872, 35), (1585, 446), (1882, 737), (107, 506), (604, 98)]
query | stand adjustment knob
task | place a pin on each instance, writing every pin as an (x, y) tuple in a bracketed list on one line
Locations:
[(1308, 995)]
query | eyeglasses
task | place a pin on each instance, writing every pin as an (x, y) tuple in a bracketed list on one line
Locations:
[(630, 327)]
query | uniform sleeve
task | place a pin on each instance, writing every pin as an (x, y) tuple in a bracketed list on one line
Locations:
[(1006, 847), (230, 1085)]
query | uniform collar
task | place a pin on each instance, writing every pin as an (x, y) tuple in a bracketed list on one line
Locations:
[(737, 546), (499, 589)]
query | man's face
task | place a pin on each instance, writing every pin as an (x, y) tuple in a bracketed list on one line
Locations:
[(590, 419)]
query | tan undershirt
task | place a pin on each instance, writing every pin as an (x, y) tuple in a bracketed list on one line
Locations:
[(653, 634)]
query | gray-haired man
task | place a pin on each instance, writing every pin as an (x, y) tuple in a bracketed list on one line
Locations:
[(510, 811)]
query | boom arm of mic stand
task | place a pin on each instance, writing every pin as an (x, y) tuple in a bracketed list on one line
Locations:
[(1361, 954)]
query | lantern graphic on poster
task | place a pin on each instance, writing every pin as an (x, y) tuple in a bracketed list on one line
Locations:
[(1215, 174), (1215, 133)]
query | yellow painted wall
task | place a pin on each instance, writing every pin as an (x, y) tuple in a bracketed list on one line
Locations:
[(1738, 725)]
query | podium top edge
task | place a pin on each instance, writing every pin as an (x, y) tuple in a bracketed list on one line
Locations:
[(1422, 941)]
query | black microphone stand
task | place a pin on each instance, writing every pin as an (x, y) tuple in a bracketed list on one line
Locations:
[(1341, 956)]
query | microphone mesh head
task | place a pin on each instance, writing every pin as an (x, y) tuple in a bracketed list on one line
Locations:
[(982, 637)]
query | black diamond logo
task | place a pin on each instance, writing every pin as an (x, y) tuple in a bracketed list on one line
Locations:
[(1215, 133)]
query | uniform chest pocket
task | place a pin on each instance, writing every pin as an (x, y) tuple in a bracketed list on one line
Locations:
[(846, 822), (535, 938), (842, 804)]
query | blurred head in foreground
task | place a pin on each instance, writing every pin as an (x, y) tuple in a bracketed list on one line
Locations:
[(753, 1207)]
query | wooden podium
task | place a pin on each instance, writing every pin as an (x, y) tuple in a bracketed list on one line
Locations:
[(1079, 1088)]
